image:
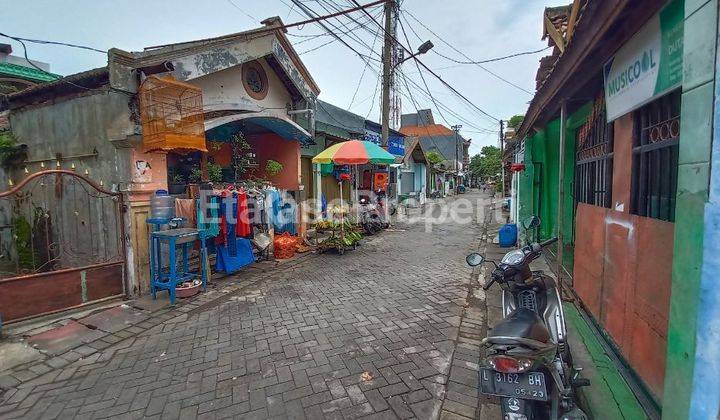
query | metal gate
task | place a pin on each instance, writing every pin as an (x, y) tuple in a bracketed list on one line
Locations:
[(61, 245)]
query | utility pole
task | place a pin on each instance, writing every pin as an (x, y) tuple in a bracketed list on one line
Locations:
[(387, 72), (456, 129), (502, 155)]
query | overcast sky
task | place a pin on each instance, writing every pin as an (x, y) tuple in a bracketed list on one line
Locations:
[(480, 29)]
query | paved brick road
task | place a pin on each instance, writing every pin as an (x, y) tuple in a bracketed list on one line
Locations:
[(375, 333)]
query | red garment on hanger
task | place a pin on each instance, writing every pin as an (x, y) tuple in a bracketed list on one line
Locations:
[(221, 239), (243, 227)]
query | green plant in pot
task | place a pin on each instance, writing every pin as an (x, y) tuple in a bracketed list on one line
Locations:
[(273, 167), (176, 183), (215, 172), (195, 175)]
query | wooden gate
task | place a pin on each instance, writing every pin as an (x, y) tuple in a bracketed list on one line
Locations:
[(61, 245)]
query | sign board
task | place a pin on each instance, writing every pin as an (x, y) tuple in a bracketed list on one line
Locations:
[(649, 65), (396, 145), (373, 136)]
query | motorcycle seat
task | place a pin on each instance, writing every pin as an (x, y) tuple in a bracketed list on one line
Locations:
[(520, 323)]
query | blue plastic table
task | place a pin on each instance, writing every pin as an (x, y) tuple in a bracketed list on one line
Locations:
[(168, 280)]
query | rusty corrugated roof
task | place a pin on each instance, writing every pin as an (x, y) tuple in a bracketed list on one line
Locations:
[(426, 130)]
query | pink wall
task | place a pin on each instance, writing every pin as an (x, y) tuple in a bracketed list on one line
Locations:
[(272, 146), (148, 173)]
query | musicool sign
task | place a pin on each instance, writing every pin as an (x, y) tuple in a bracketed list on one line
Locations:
[(649, 65)]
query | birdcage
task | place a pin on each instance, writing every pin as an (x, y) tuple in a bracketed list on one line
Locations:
[(172, 115)]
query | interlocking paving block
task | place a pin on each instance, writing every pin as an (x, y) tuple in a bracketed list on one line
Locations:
[(114, 319), (291, 341)]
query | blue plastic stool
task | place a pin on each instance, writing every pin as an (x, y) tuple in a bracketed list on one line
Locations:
[(162, 280)]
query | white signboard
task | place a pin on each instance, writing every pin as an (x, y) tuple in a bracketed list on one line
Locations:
[(648, 66)]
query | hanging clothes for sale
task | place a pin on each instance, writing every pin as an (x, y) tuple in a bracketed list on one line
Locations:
[(243, 228), (228, 221), (273, 204), (186, 208), (284, 213), (208, 216)]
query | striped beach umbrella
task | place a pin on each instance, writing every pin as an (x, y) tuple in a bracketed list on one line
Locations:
[(355, 152)]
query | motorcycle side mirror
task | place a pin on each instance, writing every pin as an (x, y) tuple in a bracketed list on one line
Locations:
[(474, 259), (531, 223)]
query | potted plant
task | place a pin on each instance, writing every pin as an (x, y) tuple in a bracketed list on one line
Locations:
[(273, 167), (215, 172), (176, 184), (195, 175)]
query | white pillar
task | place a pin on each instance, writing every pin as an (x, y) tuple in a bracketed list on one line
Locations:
[(317, 179)]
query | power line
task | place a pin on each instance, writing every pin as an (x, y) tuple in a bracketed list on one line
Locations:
[(308, 35), (464, 55), (366, 59), (491, 60), (21, 41), (447, 108), (315, 36), (367, 64), (316, 19), (372, 103), (412, 99), (492, 73), (40, 41), (292, 8), (316, 48), (428, 68), (352, 36), (422, 77), (242, 11)]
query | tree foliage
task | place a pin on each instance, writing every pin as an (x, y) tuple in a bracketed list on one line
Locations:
[(434, 157), (487, 164), (515, 121)]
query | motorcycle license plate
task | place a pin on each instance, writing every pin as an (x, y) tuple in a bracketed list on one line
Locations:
[(528, 386)]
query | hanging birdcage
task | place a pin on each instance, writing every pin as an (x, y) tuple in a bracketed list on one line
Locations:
[(172, 115)]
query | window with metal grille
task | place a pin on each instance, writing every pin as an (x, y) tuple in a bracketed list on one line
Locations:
[(594, 158), (656, 139)]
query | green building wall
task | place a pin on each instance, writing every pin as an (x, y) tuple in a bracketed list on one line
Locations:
[(699, 48), (539, 186)]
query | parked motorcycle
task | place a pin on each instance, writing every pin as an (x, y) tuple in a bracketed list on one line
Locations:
[(386, 207), (371, 219), (528, 362)]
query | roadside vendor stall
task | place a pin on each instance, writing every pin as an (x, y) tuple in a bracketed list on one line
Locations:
[(345, 234)]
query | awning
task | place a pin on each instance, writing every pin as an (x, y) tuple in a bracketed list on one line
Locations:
[(223, 128)]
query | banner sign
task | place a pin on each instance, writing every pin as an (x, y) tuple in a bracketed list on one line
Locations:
[(649, 65), (373, 137), (396, 145)]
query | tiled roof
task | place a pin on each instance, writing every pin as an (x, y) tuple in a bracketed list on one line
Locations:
[(427, 130), (559, 16)]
